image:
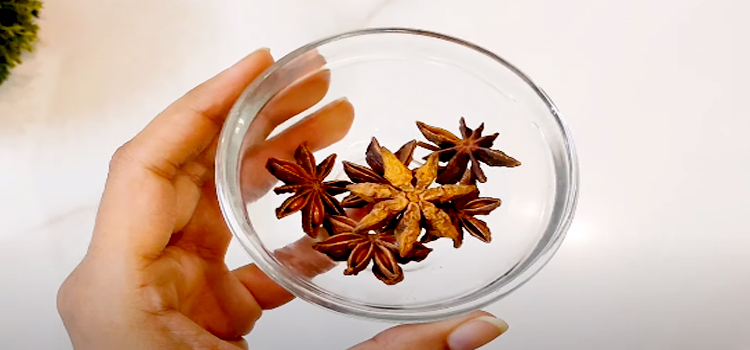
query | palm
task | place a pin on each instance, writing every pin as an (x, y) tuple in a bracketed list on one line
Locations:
[(200, 285)]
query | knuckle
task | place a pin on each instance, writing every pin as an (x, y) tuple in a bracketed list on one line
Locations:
[(120, 156), (123, 158), (66, 298)]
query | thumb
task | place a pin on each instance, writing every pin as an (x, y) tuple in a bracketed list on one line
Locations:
[(462, 333)]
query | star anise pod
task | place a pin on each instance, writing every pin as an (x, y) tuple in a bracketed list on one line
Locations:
[(409, 202), (311, 194), (463, 211), (359, 248), (374, 174), (472, 146)]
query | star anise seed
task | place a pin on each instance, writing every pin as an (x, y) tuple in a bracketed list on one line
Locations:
[(457, 152), (409, 201), (373, 174), (358, 249), (311, 194)]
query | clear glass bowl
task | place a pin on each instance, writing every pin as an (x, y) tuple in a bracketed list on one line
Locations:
[(394, 77)]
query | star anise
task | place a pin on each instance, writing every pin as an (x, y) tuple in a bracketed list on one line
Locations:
[(359, 248), (462, 210), (312, 195), (409, 202), (374, 174), (472, 146)]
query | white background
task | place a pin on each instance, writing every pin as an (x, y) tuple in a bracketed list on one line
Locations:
[(654, 92)]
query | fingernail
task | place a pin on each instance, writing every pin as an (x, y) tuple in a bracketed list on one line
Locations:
[(475, 333), (261, 50), (333, 104)]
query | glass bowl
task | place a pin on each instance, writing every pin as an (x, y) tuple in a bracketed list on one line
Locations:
[(391, 78)]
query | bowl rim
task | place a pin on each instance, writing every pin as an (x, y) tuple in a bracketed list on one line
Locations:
[(227, 182)]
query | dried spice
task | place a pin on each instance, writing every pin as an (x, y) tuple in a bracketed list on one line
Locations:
[(373, 174), (409, 201), (359, 249), (457, 152), (463, 211), (311, 195), (396, 204)]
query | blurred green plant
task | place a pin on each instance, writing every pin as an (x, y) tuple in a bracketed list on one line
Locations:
[(17, 31)]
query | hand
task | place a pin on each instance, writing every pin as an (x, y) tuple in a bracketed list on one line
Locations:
[(154, 276)]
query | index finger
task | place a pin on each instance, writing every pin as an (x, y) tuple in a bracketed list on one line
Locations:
[(189, 125), (298, 256)]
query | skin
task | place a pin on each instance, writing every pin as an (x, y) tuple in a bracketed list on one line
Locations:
[(154, 275)]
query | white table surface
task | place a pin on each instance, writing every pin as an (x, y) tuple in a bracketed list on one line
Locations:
[(654, 91)]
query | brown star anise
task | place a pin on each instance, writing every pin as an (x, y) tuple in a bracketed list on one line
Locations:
[(312, 195), (374, 174), (472, 146), (462, 210), (408, 200), (359, 248)]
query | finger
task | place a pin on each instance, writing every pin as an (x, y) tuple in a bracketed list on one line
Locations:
[(288, 103), (298, 257), (189, 189), (266, 292), (241, 343), (298, 97), (294, 99), (325, 127), (180, 332), (189, 125), (206, 233), (319, 130), (137, 212), (204, 227), (305, 85), (462, 333)]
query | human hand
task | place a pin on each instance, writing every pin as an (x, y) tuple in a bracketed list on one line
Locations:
[(154, 276)]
